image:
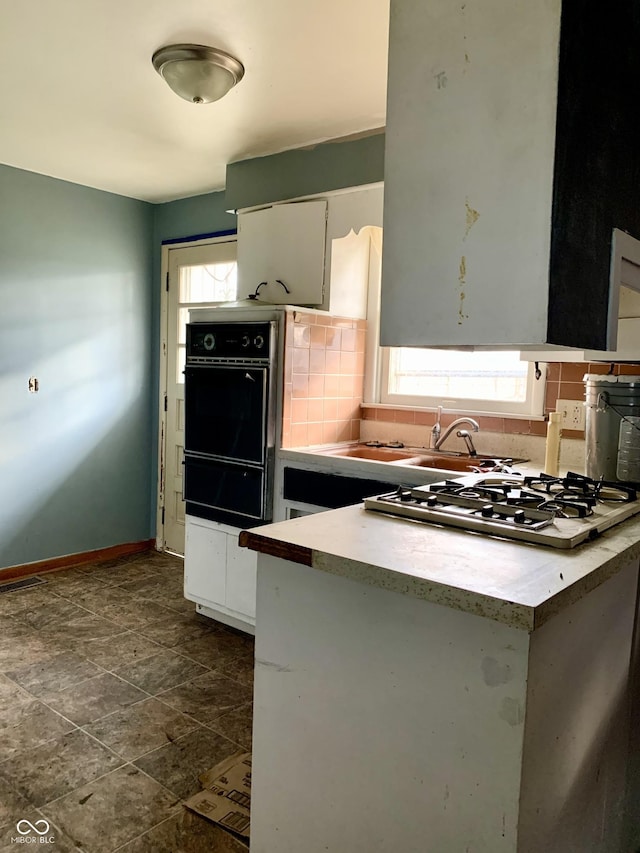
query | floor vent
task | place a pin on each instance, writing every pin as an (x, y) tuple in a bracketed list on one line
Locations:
[(21, 584)]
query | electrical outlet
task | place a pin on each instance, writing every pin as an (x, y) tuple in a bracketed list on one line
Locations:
[(572, 414)]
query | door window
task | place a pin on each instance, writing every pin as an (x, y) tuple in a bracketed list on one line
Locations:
[(201, 285)]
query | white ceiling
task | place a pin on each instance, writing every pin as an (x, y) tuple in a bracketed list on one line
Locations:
[(80, 100)]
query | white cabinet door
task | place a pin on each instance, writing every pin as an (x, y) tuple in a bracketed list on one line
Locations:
[(205, 557), (241, 578), (254, 262), (284, 243)]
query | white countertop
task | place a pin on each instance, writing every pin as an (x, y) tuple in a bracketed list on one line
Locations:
[(515, 583), (319, 458)]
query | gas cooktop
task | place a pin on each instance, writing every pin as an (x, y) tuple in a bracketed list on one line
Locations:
[(557, 511)]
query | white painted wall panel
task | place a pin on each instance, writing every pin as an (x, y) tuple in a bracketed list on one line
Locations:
[(382, 696), (577, 731)]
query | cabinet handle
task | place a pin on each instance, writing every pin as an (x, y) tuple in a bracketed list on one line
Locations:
[(255, 294)]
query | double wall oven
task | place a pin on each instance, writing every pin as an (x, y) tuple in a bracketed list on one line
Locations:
[(230, 406)]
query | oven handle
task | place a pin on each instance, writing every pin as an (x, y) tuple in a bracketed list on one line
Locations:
[(234, 461), (209, 363)]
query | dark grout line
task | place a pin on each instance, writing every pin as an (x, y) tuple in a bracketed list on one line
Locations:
[(147, 831), (142, 834)]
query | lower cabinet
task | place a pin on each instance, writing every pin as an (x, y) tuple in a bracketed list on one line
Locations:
[(319, 490), (219, 576), (241, 577)]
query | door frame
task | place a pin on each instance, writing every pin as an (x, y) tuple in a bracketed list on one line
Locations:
[(166, 247)]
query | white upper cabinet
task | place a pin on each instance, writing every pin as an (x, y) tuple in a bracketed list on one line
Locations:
[(353, 217), (319, 249), (284, 246), (511, 157)]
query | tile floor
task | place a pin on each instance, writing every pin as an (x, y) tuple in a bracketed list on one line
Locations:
[(114, 696)]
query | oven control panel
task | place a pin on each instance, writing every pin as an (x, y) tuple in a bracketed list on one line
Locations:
[(228, 341)]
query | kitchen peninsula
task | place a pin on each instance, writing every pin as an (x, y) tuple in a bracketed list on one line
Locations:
[(424, 690)]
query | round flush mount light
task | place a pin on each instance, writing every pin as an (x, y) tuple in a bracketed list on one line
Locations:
[(197, 73)]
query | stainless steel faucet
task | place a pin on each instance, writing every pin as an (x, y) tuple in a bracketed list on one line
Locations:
[(439, 438), (435, 431)]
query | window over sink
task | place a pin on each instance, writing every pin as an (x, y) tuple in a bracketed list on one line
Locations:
[(482, 381), (490, 382)]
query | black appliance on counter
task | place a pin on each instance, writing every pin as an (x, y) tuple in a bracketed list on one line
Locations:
[(230, 412)]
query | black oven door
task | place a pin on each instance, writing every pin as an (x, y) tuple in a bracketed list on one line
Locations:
[(226, 412), (221, 491)]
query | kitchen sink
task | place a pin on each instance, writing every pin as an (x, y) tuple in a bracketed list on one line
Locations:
[(449, 462), (422, 458), (375, 454)]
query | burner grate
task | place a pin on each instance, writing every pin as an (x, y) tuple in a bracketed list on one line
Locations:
[(469, 504), (562, 512), (578, 485)]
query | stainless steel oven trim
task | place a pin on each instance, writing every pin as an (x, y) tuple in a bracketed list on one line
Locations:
[(228, 511), (269, 472), (272, 394), (228, 460), (209, 361)]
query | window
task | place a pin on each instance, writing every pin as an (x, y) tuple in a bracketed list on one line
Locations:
[(202, 284), (491, 382)]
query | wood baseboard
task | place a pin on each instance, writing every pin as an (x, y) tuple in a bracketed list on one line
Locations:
[(72, 560)]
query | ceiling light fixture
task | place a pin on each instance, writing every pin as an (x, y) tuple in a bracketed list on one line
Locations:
[(197, 73)]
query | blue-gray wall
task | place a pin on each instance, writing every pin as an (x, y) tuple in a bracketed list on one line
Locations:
[(75, 306), (191, 217), (80, 296), (336, 165)]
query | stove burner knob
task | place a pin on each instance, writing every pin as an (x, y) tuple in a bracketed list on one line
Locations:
[(258, 341), (209, 341), (519, 516), (432, 500), (246, 340), (487, 511)]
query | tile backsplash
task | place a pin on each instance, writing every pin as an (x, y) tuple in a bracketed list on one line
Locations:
[(564, 382), (323, 379), (323, 388)]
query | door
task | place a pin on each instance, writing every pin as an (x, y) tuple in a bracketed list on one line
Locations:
[(227, 409), (205, 577), (223, 491), (197, 276)]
